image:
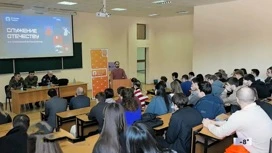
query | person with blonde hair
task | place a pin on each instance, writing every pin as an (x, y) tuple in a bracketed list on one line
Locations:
[(176, 87), (4, 117)]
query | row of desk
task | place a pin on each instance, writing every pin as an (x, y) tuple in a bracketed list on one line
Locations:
[(20, 97)]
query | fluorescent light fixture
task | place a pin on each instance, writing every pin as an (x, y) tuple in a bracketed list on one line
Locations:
[(119, 9), (161, 2), (182, 12), (67, 3), (153, 14)]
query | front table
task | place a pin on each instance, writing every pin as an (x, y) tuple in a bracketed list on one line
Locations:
[(20, 97)]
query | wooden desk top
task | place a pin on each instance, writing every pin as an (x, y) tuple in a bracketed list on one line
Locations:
[(4, 128), (60, 134), (83, 117), (82, 147), (73, 84), (205, 131), (34, 89), (76, 112), (149, 98), (166, 119)]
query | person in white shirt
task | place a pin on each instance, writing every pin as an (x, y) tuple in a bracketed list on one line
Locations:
[(250, 122)]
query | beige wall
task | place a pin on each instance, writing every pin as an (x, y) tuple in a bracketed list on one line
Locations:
[(169, 42), (233, 35)]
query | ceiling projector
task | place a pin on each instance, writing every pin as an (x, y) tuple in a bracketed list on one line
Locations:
[(103, 14)]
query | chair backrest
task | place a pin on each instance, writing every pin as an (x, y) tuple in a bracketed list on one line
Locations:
[(63, 82), (6, 88), (7, 91), (194, 131)]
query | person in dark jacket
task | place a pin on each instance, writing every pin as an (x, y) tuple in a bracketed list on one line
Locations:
[(97, 111), (15, 141), (4, 117), (179, 132), (209, 105), (80, 101), (31, 81), (261, 88), (186, 85), (49, 79), (268, 80), (54, 105)]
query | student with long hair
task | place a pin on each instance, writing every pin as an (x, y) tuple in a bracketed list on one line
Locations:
[(110, 139), (139, 139), (176, 87), (4, 117), (132, 109), (160, 103)]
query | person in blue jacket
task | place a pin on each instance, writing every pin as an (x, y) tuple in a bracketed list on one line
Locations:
[(209, 105), (217, 85), (160, 104)]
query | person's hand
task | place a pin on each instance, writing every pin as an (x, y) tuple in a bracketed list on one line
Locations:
[(206, 122)]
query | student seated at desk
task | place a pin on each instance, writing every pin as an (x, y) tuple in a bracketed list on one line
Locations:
[(31, 81), (53, 106), (132, 109), (179, 132), (16, 82), (250, 122), (111, 139), (4, 117), (160, 104), (80, 100), (109, 95), (209, 105), (176, 88), (194, 97), (15, 140), (36, 143), (141, 139), (97, 111), (138, 93), (186, 85)]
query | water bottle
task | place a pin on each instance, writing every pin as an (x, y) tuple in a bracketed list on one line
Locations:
[(22, 88)]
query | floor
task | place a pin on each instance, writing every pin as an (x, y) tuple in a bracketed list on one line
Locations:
[(218, 148)]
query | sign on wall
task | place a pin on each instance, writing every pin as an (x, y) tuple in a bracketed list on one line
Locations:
[(99, 70)]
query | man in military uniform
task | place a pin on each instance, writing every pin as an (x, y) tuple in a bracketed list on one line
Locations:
[(31, 82)]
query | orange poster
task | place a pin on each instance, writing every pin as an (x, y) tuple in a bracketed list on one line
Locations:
[(99, 66)]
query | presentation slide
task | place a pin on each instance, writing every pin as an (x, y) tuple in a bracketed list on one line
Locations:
[(26, 36)]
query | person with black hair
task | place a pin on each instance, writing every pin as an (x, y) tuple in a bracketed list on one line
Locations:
[(16, 82), (229, 94), (239, 74), (175, 77), (118, 73), (244, 71), (160, 103), (193, 98), (261, 88), (268, 80), (15, 141), (186, 85), (54, 105), (141, 98), (256, 73), (164, 79), (109, 95), (209, 105), (111, 138), (220, 77), (96, 111), (141, 139), (179, 132), (191, 75), (200, 77), (132, 108)]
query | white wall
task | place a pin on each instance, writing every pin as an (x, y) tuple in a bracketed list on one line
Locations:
[(232, 35), (169, 43)]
